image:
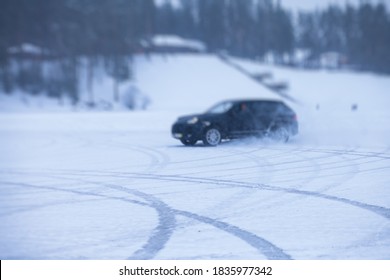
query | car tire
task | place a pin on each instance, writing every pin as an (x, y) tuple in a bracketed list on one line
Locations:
[(280, 135), (188, 142), (212, 136)]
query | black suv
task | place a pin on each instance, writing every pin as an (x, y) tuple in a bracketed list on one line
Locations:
[(236, 119)]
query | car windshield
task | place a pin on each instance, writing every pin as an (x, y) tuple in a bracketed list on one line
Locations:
[(220, 108)]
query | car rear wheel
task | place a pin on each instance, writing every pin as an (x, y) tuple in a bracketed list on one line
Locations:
[(212, 137), (280, 135)]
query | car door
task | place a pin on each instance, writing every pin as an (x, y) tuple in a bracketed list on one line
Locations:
[(263, 112), (241, 120)]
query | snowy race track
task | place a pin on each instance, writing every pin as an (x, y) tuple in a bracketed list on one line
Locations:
[(96, 186), (118, 186)]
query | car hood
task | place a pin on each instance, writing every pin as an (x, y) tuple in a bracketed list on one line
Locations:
[(201, 117), (187, 117)]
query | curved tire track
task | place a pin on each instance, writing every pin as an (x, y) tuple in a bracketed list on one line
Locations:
[(379, 210), (163, 231)]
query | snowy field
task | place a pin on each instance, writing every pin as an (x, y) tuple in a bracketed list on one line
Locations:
[(117, 186)]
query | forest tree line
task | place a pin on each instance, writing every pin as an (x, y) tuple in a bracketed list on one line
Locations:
[(108, 32)]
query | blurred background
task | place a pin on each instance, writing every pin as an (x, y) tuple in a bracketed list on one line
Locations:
[(62, 49), (89, 90)]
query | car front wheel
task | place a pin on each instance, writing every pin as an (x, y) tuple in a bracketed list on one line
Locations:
[(188, 142), (212, 137)]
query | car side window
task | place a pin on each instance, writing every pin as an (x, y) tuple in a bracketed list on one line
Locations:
[(269, 108), (254, 108), (235, 109), (241, 108), (259, 108)]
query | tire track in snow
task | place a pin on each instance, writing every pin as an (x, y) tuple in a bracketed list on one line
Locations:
[(41, 206), (286, 165), (265, 247), (265, 176), (158, 160), (226, 161), (379, 210), (162, 233), (316, 165), (229, 167), (353, 152), (381, 156), (155, 165), (354, 164), (159, 239)]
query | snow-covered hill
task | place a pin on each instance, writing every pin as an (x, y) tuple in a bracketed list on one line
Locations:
[(193, 82)]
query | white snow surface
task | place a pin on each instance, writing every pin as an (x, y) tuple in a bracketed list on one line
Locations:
[(311, 5), (164, 40), (98, 185), (27, 49), (303, 5)]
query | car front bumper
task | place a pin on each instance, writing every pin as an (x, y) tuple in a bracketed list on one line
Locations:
[(184, 131)]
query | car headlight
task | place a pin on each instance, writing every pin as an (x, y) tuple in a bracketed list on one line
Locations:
[(194, 120)]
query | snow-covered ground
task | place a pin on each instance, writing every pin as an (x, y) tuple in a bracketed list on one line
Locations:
[(115, 185)]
